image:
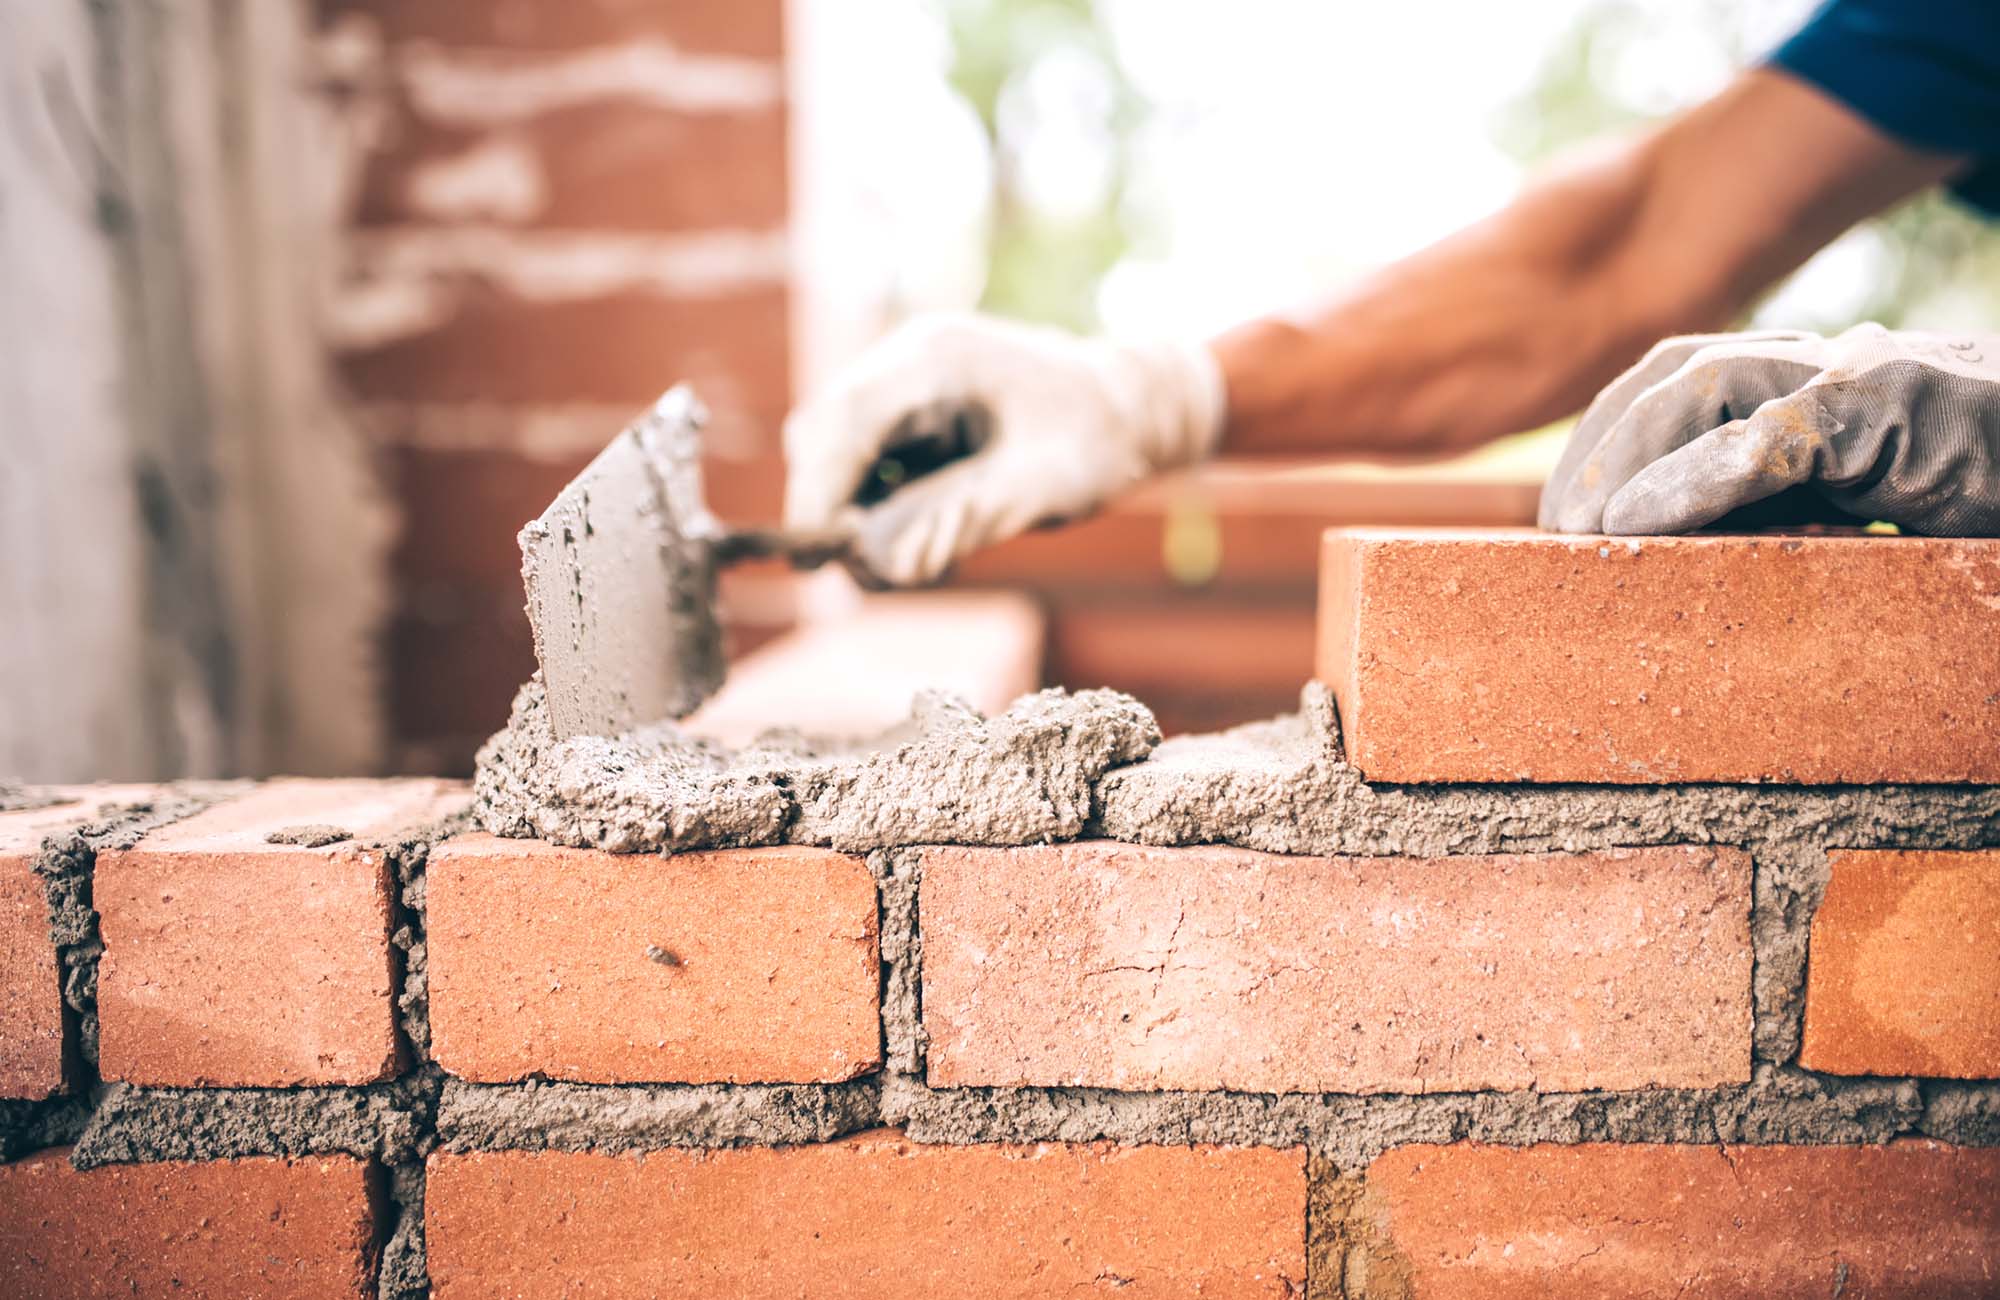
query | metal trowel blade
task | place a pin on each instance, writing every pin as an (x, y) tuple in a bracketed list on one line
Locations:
[(620, 579)]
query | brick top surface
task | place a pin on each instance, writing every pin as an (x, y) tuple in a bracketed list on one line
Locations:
[(24, 831), (365, 809)]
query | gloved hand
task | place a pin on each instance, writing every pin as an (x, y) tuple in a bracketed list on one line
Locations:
[(1065, 424), (1897, 426)]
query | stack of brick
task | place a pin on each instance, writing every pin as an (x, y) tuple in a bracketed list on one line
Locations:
[(1642, 941)]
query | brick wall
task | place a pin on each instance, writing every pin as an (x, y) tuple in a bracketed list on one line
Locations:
[(558, 211), (1270, 1028)]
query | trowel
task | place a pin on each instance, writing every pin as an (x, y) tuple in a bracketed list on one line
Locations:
[(620, 570)]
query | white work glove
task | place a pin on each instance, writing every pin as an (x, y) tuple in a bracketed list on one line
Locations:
[(1903, 427), (1066, 423)]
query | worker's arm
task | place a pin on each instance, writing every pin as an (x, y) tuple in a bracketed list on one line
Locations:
[(1518, 320), (1507, 325)]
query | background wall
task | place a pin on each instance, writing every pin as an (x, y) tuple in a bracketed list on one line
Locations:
[(309, 305)]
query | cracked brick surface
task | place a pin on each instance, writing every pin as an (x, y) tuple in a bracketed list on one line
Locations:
[(1110, 965)]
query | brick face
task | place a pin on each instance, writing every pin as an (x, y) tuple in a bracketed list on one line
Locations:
[(273, 1229), (602, 165), (233, 961), (873, 1216), (749, 965), (1502, 656), (34, 1052), (1110, 965), (1903, 973), (1913, 1219), (621, 347), (31, 1012)]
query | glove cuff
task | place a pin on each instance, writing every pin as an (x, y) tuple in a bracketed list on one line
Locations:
[(1179, 402)]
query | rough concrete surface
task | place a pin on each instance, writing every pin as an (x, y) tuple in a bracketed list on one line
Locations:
[(1777, 1106), (949, 775), (403, 1272), (588, 1117), (310, 836), (390, 1121)]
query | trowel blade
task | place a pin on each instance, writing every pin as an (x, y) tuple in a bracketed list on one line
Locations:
[(620, 580)]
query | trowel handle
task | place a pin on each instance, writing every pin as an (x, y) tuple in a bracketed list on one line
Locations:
[(924, 443), (805, 550)]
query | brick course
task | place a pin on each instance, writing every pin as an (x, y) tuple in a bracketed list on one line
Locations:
[(617, 347), (1903, 971), (589, 166), (872, 1216), (1518, 656), (233, 961), (748, 965), (1912, 1219), (273, 1229), (1110, 965)]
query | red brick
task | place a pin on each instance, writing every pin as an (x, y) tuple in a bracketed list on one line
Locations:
[(748, 965), (625, 347), (1913, 1219), (1903, 973), (1224, 647), (750, 28), (599, 167), (986, 648), (1267, 523), (874, 1216), (34, 1053), (232, 961), (1505, 656), (260, 1227), (1110, 965)]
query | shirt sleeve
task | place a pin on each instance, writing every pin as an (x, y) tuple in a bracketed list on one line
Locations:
[(1924, 71)]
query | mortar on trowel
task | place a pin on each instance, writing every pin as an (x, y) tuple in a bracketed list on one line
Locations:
[(620, 570)]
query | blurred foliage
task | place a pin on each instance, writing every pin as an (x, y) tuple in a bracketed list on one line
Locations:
[(1044, 267), (1933, 261)]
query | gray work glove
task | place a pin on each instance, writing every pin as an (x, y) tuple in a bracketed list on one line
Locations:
[(1902, 427)]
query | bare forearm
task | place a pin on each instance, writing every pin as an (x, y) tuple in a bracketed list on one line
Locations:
[(1519, 319)]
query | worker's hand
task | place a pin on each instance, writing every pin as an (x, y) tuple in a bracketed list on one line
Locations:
[(1901, 427), (1059, 424)]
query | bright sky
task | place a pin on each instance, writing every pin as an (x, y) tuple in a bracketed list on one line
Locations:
[(1296, 144)]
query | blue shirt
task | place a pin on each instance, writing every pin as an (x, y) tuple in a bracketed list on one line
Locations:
[(1924, 71)]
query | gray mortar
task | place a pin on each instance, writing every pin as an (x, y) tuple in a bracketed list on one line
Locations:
[(1282, 786), (391, 1122), (586, 1117), (404, 1271), (898, 874), (1779, 1106), (27, 1126), (314, 835), (407, 857), (947, 776)]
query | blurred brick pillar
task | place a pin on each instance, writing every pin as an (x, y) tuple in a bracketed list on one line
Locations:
[(562, 209)]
